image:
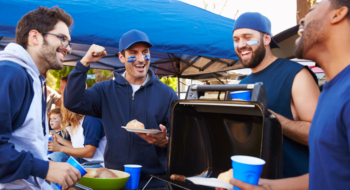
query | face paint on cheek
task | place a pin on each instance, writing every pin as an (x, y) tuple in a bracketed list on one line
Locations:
[(147, 57), (131, 59), (55, 121), (253, 42)]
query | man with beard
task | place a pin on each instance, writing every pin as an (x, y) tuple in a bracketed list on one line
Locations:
[(291, 88), (42, 41), (325, 39), (136, 94)]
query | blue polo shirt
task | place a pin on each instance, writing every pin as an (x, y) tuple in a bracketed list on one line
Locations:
[(329, 136)]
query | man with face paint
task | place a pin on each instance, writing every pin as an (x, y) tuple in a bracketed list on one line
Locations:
[(136, 94), (42, 41), (291, 88)]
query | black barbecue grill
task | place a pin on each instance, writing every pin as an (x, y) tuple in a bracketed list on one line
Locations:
[(204, 134)]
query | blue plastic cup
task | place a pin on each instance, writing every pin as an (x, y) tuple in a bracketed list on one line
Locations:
[(75, 164), (243, 95), (50, 139), (247, 169), (134, 171)]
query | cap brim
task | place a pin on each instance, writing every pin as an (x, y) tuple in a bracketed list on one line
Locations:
[(149, 44), (273, 44)]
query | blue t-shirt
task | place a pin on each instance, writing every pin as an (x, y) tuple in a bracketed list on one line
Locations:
[(329, 136), (278, 79)]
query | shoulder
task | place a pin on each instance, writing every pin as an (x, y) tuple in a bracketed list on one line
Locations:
[(7, 67), (12, 72), (92, 121), (289, 63)]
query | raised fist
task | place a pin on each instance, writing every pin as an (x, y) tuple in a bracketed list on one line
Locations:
[(94, 54)]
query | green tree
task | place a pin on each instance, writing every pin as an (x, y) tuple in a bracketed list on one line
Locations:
[(170, 81), (54, 77)]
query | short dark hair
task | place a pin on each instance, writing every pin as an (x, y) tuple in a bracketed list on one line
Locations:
[(64, 78), (42, 19), (341, 3), (123, 53)]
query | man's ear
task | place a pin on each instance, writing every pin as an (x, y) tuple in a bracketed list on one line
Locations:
[(267, 39), (34, 38), (121, 57), (339, 15)]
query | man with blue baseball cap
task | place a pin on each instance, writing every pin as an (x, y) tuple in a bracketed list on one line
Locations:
[(291, 88), (136, 94)]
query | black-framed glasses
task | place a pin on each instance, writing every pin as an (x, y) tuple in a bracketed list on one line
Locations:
[(64, 41)]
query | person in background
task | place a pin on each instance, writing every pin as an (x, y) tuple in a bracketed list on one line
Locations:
[(42, 41), (55, 123), (88, 140)]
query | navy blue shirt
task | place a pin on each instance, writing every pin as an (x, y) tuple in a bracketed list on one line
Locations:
[(93, 131), (329, 136), (278, 79), (115, 103), (16, 92)]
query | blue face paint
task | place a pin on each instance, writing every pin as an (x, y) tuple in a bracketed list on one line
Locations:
[(253, 42), (147, 57), (55, 121), (131, 59)]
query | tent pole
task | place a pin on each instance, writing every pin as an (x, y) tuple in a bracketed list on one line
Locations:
[(178, 87)]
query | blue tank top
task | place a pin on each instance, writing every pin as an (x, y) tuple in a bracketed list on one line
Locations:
[(278, 79)]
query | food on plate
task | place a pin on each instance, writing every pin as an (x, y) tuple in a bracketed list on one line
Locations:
[(176, 177), (134, 124), (102, 173), (226, 176)]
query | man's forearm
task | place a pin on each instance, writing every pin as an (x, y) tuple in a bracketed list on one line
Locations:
[(293, 183), (296, 130)]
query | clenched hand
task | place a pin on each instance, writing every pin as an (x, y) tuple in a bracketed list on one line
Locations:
[(63, 174), (94, 54)]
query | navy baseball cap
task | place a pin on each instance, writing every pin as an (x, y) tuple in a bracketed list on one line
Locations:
[(132, 37), (255, 21)]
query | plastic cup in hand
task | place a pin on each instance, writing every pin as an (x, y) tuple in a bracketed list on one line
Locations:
[(75, 164), (247, 169), (134, 171), (243, 95), (50, 139)]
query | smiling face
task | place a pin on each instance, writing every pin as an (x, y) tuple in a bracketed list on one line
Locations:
[(52, 50), (137, 61), (55, 121), (313, 30), (250, 55)]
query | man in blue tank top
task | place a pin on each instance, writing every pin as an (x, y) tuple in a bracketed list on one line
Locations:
[(291, 90)]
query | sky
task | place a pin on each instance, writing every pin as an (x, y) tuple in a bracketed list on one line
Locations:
[(282, 13)]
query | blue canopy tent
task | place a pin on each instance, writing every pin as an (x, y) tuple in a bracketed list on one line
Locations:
[(188, 41)]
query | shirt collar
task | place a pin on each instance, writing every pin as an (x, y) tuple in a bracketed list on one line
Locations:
[(147, 79)]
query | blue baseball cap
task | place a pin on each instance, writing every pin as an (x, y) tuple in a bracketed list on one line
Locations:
[(255, 21), (132, 37)]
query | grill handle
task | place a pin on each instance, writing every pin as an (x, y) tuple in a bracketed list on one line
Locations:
[(258, 92)]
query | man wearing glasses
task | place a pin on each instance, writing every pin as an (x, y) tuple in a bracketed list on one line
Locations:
[(42, 41)]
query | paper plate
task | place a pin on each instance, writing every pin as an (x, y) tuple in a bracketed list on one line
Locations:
[(152, 131), (211, 182)]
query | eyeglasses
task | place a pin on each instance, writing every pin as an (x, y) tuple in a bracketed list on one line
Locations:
[(64, 41)]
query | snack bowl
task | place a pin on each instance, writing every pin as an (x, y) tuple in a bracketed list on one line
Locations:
[(104, 184)]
